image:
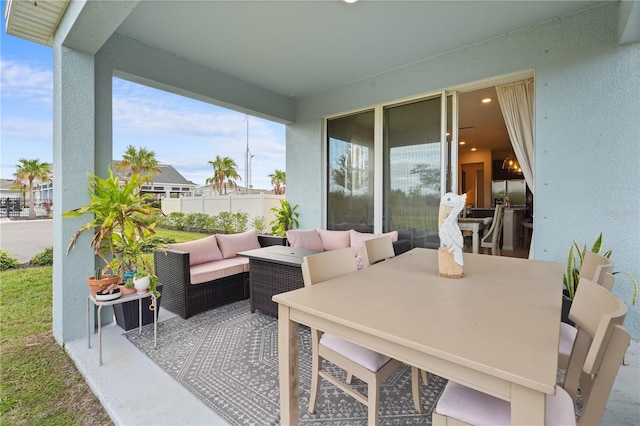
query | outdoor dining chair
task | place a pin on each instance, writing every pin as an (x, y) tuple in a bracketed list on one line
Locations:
[(600, 347), (598, 269), (369, 366), (376, 250)]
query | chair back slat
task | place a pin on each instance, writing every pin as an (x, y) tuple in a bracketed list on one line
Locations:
[(594, 267)]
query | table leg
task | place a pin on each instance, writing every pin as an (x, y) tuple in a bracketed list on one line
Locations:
[(155, 320), (476, 239), (88, 324), (288, 340), (527, 406), (99, 319)]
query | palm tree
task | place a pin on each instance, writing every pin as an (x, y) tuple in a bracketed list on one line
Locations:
[(141, 161), (29, 171), (278, 178), (224, 172)]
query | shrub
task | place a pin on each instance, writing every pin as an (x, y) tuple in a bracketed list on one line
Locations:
[(150, 244), (44, 258), (259, 223), (174, 220), (6, 261)]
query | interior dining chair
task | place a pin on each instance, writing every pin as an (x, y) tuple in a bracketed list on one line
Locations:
[(602, 344), (376, 250), (369, 366), (491, 240), (598, 269)]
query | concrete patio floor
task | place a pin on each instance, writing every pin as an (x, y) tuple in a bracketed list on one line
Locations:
[(135, 391)]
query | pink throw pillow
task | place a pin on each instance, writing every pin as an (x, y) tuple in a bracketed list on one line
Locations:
[(230, 244), (333, 240), (304, 238), (200, 251), (357, 238)]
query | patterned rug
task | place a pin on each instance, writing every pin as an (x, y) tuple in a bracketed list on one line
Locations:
[(228, 357)]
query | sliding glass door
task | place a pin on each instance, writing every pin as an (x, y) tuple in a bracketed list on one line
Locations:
[(413, 166), (387, 167), (350, 172)]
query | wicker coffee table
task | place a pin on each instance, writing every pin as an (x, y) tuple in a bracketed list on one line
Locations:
[(273, 270)]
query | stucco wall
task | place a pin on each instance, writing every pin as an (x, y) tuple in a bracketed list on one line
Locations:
[(587, 155)]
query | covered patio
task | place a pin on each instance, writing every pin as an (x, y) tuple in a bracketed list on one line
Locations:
[(306, 63)]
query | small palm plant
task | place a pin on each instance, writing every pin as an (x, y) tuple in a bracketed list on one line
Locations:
[(286, 218), (572, 269)]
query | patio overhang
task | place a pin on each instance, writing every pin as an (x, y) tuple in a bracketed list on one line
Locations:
[(34, 20)]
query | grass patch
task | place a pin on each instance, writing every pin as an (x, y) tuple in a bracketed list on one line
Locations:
[(40, 383), (179, 236)]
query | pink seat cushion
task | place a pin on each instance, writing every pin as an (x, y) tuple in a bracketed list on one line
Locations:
[(369, 359), (567, 338), (474, 407), (210, 271), (304, 238), (358, 238), (200, 251), (334, 240), (230, 244)]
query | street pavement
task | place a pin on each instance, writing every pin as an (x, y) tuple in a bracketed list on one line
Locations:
[(23, 239)]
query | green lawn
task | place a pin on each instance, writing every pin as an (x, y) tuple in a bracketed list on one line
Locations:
[(39, 382)]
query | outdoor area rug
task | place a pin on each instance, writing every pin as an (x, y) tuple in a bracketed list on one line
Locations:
[(228, 357)]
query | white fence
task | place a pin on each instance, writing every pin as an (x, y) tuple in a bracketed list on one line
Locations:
[(254, 205)]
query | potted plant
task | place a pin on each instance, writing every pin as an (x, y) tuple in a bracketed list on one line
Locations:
[(570, 278), (286, 218), (118, 231)]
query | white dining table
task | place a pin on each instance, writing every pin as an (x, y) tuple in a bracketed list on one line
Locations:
[(475, 225), (496, 329)]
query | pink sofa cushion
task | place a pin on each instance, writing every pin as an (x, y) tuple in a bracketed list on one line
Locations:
[(307, 239), (210, 271), (333, 240), (357, 238), (230, 244), (200, 251)]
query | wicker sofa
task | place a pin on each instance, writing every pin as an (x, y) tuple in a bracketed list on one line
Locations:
[(323, 240), (203, 274)]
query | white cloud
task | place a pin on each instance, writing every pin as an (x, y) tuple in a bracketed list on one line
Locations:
[(23, 81)]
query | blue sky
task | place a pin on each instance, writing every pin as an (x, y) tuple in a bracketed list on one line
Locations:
[(183, 132)]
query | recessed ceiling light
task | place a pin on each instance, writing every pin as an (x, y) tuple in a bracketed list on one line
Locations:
[(461, 142), (486, 100), (349, 1), (474, 149)]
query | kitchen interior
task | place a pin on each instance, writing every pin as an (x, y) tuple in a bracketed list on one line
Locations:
[(489, 172)]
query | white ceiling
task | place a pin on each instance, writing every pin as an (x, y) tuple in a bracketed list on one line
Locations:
[(297, 48)]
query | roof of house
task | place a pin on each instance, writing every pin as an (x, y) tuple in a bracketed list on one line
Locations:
[(7, 185), (168, 176)]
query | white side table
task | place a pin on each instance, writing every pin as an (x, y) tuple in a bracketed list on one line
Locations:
[(121, 299)]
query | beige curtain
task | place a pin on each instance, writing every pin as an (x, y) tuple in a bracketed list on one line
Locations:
[(516, 103)]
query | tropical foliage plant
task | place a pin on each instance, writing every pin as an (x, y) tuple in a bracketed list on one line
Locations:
[(27, 173), (278, 179), (118, 234), (575, 258), (138, 161), (224, 173), (286, 217)]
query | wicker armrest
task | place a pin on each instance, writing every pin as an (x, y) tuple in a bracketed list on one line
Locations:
[(401, 246), (172, 270)]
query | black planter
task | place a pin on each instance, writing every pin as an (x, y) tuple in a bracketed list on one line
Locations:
[(127, 312), (566, 306)]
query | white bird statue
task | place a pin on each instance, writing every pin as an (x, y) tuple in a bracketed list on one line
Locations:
[(449, 231)]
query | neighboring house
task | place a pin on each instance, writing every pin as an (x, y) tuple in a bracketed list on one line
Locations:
[(7, 189), (379, 71), (169, 183), (208, 191)]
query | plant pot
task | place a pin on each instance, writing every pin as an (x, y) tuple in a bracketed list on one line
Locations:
[(124, 290), (141, 284), (98, 285), (127, 313), (566, 307)]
